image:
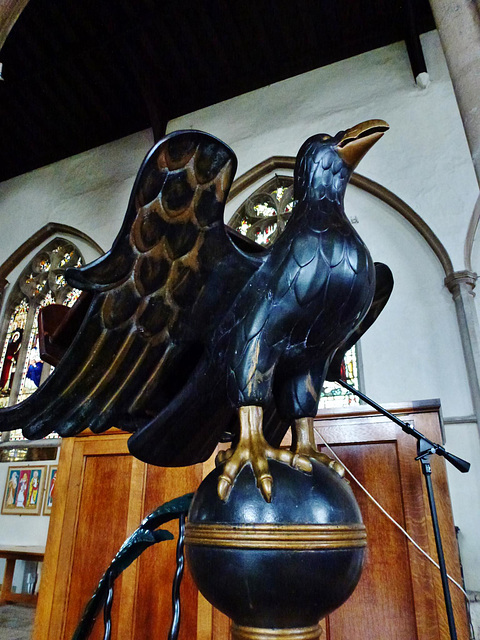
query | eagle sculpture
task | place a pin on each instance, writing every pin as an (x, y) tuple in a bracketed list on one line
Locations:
[(188, 334)]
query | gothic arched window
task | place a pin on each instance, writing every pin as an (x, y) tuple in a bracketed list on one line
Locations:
[(262, 217), (41, 283)]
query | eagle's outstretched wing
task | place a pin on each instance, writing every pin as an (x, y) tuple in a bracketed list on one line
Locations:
[(171, 275)]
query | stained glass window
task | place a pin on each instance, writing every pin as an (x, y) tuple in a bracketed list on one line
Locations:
[(11, 348), (262, 218), (41, 283), (333, 394)]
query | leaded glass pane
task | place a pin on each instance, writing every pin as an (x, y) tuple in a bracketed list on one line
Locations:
[(334, 395), (71, 297), (11, 349), (263, 216), (33, 365), (16, 435)]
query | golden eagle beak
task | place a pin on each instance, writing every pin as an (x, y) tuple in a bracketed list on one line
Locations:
[(359, 139)]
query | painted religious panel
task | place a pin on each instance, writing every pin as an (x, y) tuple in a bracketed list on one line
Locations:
[(50, 490), (23, 494)]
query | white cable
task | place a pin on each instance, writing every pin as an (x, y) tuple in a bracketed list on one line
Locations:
[(388, 515)]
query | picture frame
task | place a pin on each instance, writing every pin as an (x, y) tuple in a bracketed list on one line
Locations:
[(23, 493), (49, 489)]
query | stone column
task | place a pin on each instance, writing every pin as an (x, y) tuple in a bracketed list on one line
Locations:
[(461, 285), (458, 23)]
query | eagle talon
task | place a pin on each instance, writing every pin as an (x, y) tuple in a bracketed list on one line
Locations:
[(305, 446), (337, 467), (302, 463), (224, 487), (265, 484), (222, 456), (253, 449)]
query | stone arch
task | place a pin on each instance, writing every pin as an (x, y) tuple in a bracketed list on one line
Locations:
[(36, 240), (471, 235)]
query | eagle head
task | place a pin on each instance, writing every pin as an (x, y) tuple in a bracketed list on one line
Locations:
[(325, 163)]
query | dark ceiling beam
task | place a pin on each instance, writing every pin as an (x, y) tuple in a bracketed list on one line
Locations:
[(122, 81), (212, 35), (33, 112), (171, 55), (54, 96), (184, 28), (288, 21), (412, 40), (257, 52), (87, 85), (230, 31), (308, 15), (72, 82), (20, 130), (148, 76)]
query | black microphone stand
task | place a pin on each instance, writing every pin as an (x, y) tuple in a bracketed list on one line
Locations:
[(425, 448)]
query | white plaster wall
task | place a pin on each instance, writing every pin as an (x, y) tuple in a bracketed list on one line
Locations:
[(88, 191), (462, 439), (413, 351), (424, 158)]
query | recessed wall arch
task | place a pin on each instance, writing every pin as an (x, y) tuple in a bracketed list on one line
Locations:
[(274, 163), (36, 240)]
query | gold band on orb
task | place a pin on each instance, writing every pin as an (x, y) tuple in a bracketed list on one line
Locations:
[(265, 536), (254, 633)]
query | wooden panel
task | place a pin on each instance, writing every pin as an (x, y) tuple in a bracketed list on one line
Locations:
[(50, 570), (385, 583), (221, 628), (409, 504), (100, 532), (157, 565), (211, 623), (88, 524)]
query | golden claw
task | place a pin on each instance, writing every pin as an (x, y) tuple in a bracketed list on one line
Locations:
[(305, 445), (253, 449)]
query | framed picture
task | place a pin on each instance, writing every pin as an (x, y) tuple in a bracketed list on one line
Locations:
[(23, 493), (50, 489)]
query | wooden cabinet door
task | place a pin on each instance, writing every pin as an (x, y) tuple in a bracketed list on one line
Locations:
[(102, 494), (399, 596), (156, 566)]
